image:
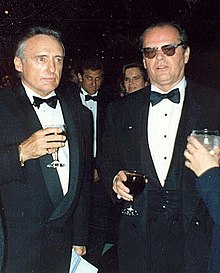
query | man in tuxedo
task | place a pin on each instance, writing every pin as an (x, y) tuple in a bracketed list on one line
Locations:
[(103, 216), (44, 210), (147, 132)]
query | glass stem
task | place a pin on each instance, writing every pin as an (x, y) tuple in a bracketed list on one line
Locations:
[(56, 155)]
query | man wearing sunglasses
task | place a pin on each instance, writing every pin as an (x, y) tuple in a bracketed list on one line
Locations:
[(172, 230)]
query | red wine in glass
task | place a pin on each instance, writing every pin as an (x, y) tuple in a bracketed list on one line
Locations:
[(136, 184)]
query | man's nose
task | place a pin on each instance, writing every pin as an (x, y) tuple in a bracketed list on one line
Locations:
[(159, 54), (51, 66)]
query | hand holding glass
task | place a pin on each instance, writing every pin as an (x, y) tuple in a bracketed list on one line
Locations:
[(209, 138), (56, 163), (136, 183)]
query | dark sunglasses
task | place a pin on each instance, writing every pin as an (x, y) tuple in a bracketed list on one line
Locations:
[(168, 50)]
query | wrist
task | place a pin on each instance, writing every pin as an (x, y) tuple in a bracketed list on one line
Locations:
[(20, 155)]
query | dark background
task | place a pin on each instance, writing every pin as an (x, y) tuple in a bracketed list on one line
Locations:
[(109, 30)]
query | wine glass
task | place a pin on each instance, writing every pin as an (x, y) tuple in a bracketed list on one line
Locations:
[(56, 163), (209, 138), (136, 183)]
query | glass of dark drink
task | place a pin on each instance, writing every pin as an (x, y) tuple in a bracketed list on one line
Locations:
[(136, 184), (56, 163)]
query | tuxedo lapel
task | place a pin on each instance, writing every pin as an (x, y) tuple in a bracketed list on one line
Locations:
[(74, 159), (178, 172)]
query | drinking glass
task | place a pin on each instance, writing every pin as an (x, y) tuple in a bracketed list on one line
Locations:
[(136, 183), (56, 163), (209, 138)]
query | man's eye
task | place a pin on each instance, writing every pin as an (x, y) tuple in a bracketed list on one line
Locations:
[(59, 60), (41, 59)]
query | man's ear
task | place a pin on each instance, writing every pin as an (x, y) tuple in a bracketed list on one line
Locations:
[(18, 64)]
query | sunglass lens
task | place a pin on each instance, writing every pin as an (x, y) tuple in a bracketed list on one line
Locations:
[(150, 53), (169, 51)]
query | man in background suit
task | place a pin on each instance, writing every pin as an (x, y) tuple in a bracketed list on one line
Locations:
[(147, 132), (45, 210), (103, 216)]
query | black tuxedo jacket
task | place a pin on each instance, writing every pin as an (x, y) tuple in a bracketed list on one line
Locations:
[(40, 224), (125, 147), (103, 99)]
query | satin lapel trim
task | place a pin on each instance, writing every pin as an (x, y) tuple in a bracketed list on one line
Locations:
[(190, 198), (74, 160)]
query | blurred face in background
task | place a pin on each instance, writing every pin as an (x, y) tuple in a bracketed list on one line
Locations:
[(133, 80), (91, 80)]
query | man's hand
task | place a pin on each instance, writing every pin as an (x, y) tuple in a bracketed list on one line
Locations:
[(80, 250), (42, 142), (198, 158), (120, 188)]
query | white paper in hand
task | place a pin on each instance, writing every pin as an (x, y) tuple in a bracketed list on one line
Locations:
[(80, 265)]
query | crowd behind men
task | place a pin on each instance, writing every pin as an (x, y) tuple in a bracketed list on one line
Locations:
[(48, 212)]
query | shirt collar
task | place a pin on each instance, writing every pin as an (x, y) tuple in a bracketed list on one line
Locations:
[(181, 85), (83, 91), (30, 93)]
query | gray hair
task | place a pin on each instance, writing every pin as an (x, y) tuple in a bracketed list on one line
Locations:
[(19, 51)]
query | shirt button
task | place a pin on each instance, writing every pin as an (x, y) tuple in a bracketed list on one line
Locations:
[(164, 206), (165, 157)]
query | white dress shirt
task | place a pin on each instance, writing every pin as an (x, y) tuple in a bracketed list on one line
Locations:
[(50, 116), (92, 106), (163, 122)]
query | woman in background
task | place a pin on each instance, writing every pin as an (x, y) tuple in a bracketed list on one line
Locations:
[(134, 77)]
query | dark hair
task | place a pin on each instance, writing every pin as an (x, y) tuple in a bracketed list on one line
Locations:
[(19, 51), (182, 33), (93, 64), (136, 65), (133, 65)]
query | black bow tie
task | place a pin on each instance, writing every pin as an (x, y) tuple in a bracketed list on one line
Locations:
[(52, 102), (173, 95), (88, 97)]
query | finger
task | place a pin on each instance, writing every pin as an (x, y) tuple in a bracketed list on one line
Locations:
[(122, 191), (191, 148), (52, 130), (54, 145), (121, 175), (80, 250), (187, 154), (53, 138), (195, 142), (188, 164)]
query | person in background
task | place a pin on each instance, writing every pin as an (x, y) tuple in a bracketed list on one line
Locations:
[(147, 132), (206, 168), (103, 216), (134, 77), (73, 75), (44, 210)]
